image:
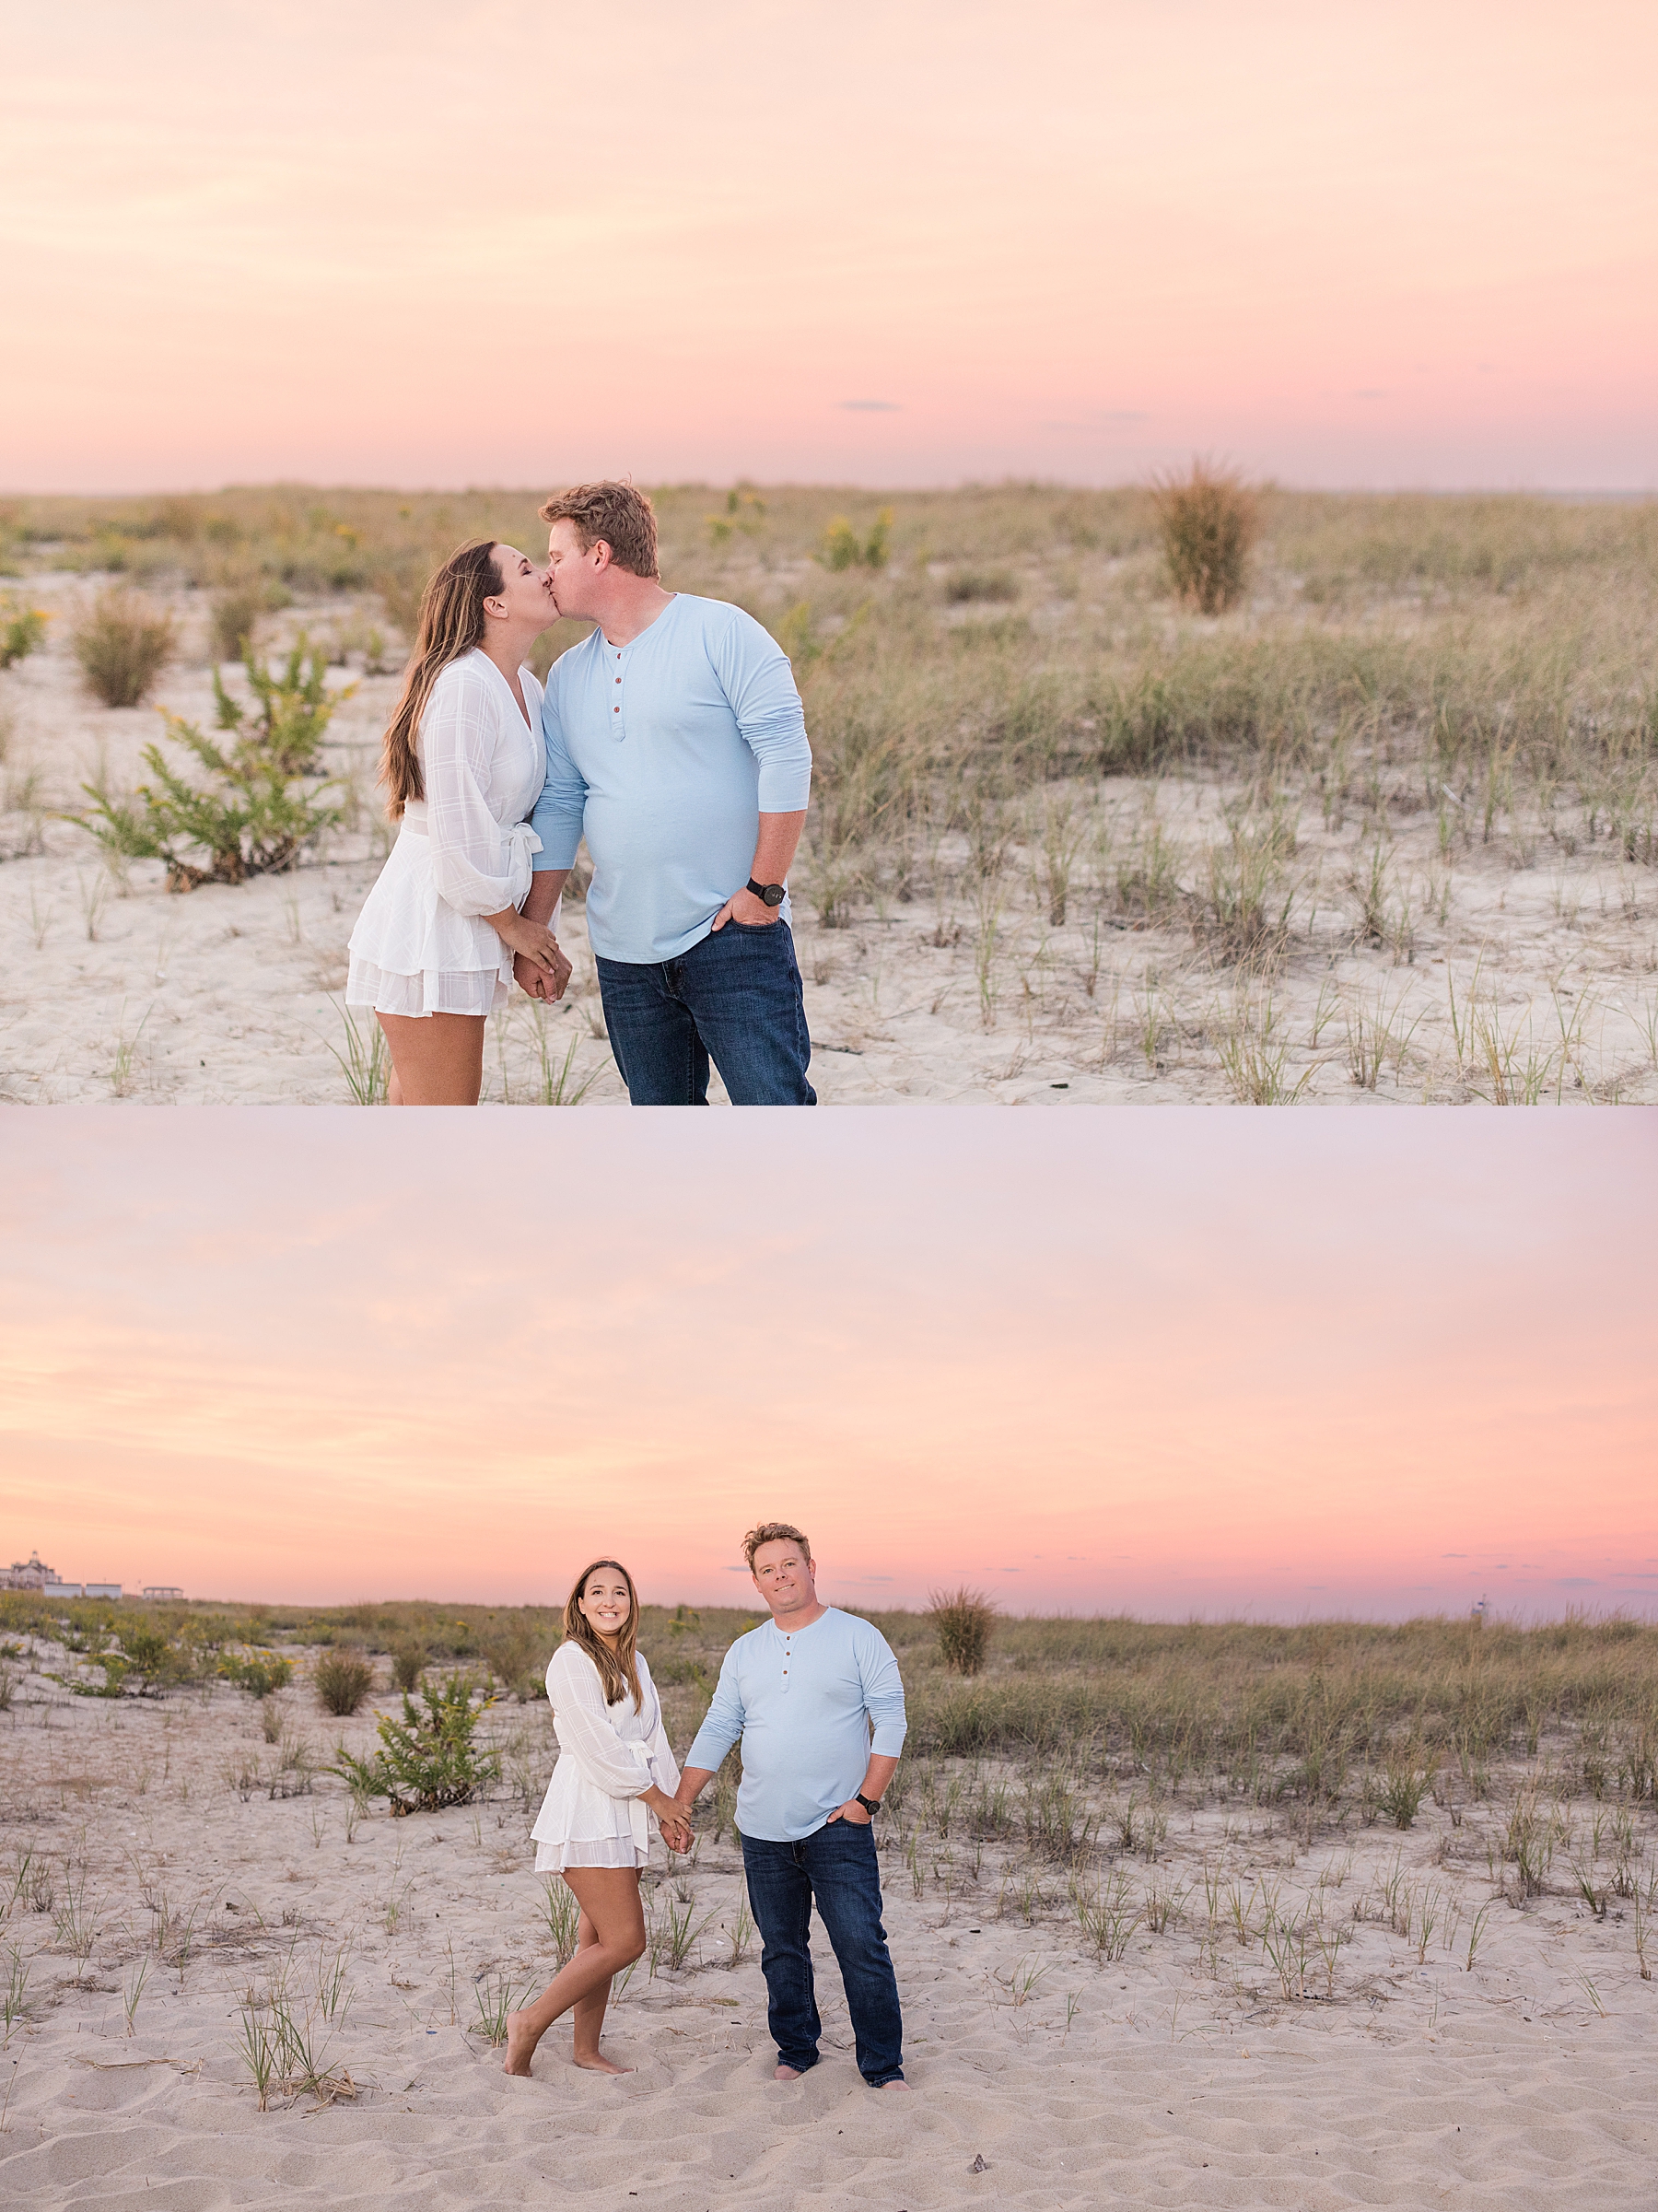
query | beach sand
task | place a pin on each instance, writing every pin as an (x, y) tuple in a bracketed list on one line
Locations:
[(1042, 2075), (111, 989)]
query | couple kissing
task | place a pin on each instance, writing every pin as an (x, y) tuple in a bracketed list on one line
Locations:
[(672, 738)]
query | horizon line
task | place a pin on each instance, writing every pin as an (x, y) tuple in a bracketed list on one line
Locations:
[(1626, 494)]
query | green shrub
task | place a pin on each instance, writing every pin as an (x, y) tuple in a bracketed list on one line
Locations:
[(842, 547), (342, 1680), (408, 1664), (22, 631), (122, 645), (1208, 521), (256, 1672), (428, 1760), (258, 810), (963, 1619)]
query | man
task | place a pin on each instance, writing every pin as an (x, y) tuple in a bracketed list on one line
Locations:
[(814, 1695), (676, 741)]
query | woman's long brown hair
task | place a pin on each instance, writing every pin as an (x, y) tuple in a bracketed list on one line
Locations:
[(618, 1669), (451, 622)]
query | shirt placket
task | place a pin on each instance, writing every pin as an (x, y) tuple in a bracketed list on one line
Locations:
[(788, 1655), (618, 691)]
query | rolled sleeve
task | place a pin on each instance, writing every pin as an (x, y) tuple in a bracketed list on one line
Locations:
[(756, 677), (560, 810), (723, 1722)]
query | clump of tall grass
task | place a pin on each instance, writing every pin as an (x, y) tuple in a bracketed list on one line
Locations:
[(122, 644), (1210, 520), (233, 619), (257, 807), (342, 1680), (963, 1620)]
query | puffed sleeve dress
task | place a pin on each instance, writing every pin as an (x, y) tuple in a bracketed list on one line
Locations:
[(420, 945), (609, 1755)]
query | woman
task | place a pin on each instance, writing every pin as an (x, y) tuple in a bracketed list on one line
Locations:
[(592, 1828), (463, 763)]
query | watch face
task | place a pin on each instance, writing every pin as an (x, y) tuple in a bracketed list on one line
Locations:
[(772, 895)]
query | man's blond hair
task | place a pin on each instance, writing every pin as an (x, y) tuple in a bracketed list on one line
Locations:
[(619, 513), (775, 1532)]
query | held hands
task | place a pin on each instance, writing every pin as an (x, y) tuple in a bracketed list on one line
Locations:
[(743, 906), (538, 962)]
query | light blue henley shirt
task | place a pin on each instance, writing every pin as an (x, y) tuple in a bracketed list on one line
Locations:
[(810, 1707), (667, 752)]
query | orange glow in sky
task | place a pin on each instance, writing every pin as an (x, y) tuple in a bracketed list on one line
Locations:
[(441, 242), (1172, 1363)]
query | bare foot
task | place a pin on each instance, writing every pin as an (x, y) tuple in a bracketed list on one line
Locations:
[(895, 2085), (520, 2044), (786, 2074), (595, 2062)]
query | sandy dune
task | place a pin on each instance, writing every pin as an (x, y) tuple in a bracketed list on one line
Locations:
[(1168, 2077), (111, 989)]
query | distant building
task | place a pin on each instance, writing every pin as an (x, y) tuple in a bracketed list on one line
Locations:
[(32, 1573), (161, 1589), (26, 1574)]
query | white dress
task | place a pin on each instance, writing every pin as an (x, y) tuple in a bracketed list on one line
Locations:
[(610, 1756), (419, 946)]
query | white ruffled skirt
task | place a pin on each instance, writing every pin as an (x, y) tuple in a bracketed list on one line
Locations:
[(411, 953)]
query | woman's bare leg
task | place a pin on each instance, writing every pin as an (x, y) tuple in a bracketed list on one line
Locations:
[(436, 1060), (588, 2013), (609, 1898)]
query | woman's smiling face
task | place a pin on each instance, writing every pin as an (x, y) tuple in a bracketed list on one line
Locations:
[(606, 1602)]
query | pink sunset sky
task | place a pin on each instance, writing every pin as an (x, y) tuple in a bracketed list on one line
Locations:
[(1179, 1364), (1389, 242)]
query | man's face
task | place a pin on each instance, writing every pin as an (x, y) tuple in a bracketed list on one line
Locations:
[(784, 1577), (571, 573)]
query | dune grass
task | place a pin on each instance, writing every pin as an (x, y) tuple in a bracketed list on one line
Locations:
[(1301, 1710), (1487, 662)]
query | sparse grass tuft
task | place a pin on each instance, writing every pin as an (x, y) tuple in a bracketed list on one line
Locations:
[(122, 645), (963, 1620), (1210, 520), (342, 1679)]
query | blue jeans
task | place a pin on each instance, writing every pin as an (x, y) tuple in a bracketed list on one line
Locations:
[(835, 1869), (735, 995)]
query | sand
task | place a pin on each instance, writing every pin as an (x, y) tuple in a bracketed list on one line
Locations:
[(1169, 2076), (113, 988)]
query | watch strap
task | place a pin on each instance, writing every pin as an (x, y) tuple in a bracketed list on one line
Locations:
[(765, 891), (871, 1805)]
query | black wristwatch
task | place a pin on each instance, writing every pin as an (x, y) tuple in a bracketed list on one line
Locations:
[(771, 893), (871, 1805)]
